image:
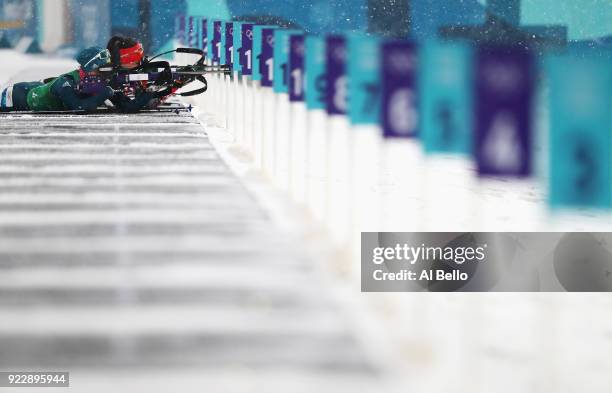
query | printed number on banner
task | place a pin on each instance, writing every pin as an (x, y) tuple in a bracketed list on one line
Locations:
[(285, 76), (270, 64), (320, 85), (218, 48), (403, 116), (586, 165), (445, 117), (231, 51), (297, 81), (341, 93), (248, 58), (373, 94), (502, 148)]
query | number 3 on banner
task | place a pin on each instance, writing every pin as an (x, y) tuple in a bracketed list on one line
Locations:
[(403, 116)]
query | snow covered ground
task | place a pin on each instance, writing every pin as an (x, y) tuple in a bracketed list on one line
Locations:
[(419, 342), (520, 342)]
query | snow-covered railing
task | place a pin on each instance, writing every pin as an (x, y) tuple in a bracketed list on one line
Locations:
[(376, 135)]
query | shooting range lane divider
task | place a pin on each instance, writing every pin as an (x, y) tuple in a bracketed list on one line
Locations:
[(395, 135), (134, 226)]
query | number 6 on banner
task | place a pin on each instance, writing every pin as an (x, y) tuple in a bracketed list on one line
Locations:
[(399, 107), (403, 117)]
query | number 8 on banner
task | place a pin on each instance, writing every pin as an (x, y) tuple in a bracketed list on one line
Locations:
[(337, 80), (399, 107)]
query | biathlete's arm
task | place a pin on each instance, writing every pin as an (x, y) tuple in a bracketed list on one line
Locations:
[(64, 89), (125, 104)]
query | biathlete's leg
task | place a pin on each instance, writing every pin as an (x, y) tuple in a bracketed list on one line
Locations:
[(14, 98)]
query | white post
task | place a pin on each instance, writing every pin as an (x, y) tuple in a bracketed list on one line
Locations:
[(339, 157), (299, 151), (282, 136), (317, 163)]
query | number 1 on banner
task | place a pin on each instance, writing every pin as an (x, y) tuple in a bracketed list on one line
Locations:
[(229, 44), (296, 67), (580, 141), (267, 57), (245, 55), (216, 41), (282, 41), (399, 106)]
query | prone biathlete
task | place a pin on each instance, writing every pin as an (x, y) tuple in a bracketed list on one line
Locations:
[(61, 93), (128, 54)]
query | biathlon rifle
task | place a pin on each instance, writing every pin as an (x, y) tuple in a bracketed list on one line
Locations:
[(159, 76)]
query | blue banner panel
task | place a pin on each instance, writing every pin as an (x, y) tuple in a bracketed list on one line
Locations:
[(281, 59), (337, 80), (210, 32), (447, 104), (580, 132), (363, 68), (237, 35), (399, 105), (91, 22), (504, 93), (296, 68), (315, 73)]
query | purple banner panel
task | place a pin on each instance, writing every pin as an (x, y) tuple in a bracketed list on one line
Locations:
[(246, 53), (267, 57), (399, 106), (504, 94), (216, 41), (204, 35), (191, 32), (180, 27), (337, 80), (296, 68), (229, 44)]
